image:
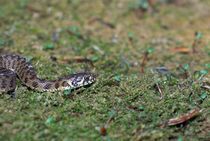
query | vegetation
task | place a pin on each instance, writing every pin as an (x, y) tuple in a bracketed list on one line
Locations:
[(152, 59)]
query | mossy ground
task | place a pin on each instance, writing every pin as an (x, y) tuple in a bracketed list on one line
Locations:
[(114, 35)]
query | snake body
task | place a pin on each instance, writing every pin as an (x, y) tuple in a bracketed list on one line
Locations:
[(15, 66)]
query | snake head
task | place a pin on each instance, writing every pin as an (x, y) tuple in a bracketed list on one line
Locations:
[(81, 79)]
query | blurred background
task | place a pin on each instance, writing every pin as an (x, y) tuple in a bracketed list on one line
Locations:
[(119, 31)]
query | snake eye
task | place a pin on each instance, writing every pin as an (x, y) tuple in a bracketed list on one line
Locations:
[(87, 78), (76, 81)]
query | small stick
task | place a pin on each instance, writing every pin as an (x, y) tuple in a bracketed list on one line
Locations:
[(78, 59), (206, 87), (159, 90), (144, 61), (197, 40), (77, 35), (183, 118), (101, 21)]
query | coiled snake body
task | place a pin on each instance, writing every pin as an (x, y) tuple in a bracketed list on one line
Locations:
[(12, 66)]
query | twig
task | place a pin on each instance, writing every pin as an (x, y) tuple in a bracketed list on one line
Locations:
[(78, 59), (79, 36), (196, 42), (101, 21), (183, 118), (159, 90), (144, 61)]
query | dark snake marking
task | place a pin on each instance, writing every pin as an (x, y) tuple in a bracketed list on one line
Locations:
[(12, 66)]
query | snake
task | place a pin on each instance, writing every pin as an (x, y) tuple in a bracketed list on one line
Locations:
[(14, 66)]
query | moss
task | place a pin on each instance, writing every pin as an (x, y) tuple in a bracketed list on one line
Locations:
[(123, 99)]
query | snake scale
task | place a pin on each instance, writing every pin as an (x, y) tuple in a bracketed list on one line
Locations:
[(15, 66)]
